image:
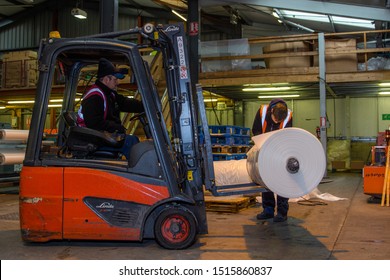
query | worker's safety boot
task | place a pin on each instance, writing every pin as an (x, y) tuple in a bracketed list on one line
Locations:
[(268, 213)]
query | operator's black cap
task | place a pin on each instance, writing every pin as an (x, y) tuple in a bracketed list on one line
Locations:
[(107, 68)]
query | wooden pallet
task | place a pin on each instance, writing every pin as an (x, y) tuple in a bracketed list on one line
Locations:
[(229, 204)]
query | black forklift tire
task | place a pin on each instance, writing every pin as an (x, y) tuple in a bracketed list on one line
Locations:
[(175, 229)]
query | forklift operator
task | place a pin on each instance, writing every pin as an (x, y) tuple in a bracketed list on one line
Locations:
[(101, 105)]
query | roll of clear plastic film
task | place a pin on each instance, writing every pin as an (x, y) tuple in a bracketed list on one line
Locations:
[(13, 134), (11, 157), (290, 162)]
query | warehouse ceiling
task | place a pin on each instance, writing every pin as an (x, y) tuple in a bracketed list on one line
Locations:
[(245, 18), (256, 18)]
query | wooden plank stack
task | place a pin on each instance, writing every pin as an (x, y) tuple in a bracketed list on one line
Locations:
[(19, 69), (229, 204)]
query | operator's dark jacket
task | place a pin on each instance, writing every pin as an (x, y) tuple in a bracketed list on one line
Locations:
[(93, 110)]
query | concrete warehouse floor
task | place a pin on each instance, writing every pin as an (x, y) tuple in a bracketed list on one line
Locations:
[(351, 229)]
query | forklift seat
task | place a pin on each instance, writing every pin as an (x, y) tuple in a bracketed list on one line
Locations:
[(143, 159), (86, 141)]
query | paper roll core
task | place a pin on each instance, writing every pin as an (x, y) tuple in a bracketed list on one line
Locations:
[(292, 165)]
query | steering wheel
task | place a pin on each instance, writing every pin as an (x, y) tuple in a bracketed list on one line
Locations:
[(138, 116), (142, 118)]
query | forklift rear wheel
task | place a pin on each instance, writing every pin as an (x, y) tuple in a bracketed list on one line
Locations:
[(175, 228)]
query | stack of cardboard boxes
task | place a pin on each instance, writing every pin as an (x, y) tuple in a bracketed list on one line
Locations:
[(290, 61), (343, 62), (19, 69), (336, 58)]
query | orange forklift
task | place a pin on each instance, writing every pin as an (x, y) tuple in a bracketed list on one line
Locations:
[(73, 190), (374, 174)]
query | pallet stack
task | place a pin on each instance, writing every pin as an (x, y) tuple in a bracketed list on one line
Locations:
[(231, 204), (20, 69), (229, 142)]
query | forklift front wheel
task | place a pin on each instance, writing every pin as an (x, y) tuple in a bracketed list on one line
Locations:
[(175, 228)]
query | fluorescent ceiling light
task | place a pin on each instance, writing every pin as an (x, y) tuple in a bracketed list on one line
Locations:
[(179, 15), (384, 92), (2, 107), (60, 100), (324, 18), (266, 89), (54, 105), (210, 100), (277, 96), (265, 85), (384, 84), (79, 13), (21, 102)]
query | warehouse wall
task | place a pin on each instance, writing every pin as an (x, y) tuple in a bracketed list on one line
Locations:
[(220, 117)]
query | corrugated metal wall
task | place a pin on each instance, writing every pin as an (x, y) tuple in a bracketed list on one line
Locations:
[(28, 33)]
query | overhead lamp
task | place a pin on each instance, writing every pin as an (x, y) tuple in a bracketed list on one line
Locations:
[(266, 85), (278, 96), (21, 102), (384, 84), (79, 13), (210, 100), (2, 107), (384, 93), (60, 100), (233, 19), (275, 14), (266, 89), (179, 15)]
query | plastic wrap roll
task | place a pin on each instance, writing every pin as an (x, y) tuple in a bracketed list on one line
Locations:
[(12, 157), (290, 162), (231, 172), (13, 134)]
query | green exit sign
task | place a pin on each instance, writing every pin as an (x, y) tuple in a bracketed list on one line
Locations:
[(385, 117)]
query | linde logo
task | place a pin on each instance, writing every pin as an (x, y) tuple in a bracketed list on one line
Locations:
[(172, 28), (105, 205)]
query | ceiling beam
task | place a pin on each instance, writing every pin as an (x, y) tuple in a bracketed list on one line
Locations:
[(319, 7)]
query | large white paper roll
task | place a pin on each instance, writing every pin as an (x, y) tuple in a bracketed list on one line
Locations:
[(14, 134), (231, 172), (11, 157), (290, 162)]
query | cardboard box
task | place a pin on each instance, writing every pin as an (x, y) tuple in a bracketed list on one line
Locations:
[(340, 164), (339, 62), (19, 73), (290, 61), (20, 55), (357, 164)]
